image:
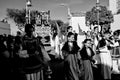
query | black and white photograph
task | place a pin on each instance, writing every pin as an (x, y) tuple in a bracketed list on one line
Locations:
[(59, 39)]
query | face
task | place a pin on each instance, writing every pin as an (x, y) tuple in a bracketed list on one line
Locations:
[(96, 30), (88, 33), (115, 37), (71, 38), (70, 30), (88, 44), (107, 36)]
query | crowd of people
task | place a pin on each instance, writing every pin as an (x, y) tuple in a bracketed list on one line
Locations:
[(23, 57), (88, 55)]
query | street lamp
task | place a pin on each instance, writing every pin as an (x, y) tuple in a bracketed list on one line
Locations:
[(98, 14), (68, 11), (28, 5), (98, 8)]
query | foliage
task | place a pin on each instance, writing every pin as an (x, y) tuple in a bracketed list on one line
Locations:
[(19, 18), (17, 15), (105, 16)]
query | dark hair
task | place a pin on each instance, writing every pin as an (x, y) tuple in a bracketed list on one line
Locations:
[(69, 34), (117, 32), (85, 41), (101, 43), (28, 26), (95, 27), (69, 27), (10, 38), (107, 32)]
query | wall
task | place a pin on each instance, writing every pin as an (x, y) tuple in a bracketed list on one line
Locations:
[(116, 24), (78, 22), (5, 28)]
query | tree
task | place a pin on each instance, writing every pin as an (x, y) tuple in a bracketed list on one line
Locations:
[(18, 16), (105, 16)]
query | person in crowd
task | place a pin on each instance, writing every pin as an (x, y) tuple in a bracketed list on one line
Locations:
[(88, 35), (31, 55), (76, 35), (70, 50), (19, 33), (69, 29), (116, 43), (105, 56), (55, 43), (87, 57), (5, 68), (96, 35)]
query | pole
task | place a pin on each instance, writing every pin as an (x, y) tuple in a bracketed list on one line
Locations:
[(98, 14), (26, 14), (28, 5), (98, 1), (29, 17), (69, 15)]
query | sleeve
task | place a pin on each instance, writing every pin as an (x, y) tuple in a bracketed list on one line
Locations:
[(43, 53), (57, 46)]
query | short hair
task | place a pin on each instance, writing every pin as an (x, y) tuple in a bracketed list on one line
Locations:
[(69, 34), (117, 32), (28, 26), (95, 27), (85, 41), (69, 27), (107, 32)]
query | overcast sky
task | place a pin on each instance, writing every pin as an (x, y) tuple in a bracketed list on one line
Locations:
[(57, 11)]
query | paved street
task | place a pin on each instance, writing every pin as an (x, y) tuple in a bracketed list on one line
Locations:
[(57, 67), (58, 71)]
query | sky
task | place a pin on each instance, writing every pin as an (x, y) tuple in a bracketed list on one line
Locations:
[(56, 11)]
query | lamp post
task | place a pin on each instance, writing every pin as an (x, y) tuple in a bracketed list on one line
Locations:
[(28, 6), (98, 14), (68, 11)]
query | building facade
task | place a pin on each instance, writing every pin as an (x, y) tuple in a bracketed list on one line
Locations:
[(5, 28), (114, 6), (77, 21)]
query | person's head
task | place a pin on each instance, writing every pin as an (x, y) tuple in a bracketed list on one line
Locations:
[(88, 33), (87, 42), (69, 29), (19, 33), (107, 34), (96, 30), (29, 28), (70, 37), (116, 34)]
